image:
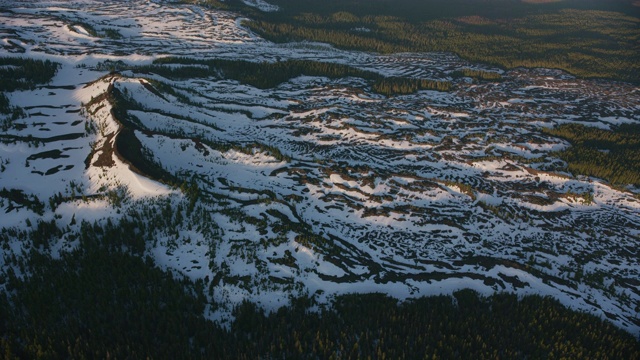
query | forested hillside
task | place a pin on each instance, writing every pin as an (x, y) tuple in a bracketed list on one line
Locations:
[(105, 300)]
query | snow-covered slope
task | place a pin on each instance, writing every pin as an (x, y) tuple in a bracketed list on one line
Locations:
[(410, 195)]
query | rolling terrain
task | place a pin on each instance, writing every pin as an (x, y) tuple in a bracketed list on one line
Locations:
[(316, 184)]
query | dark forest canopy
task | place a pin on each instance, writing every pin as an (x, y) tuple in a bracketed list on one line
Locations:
[(420, 10), (585, 38), (106, 299), (20, 74), (266, 75), (613, 155)]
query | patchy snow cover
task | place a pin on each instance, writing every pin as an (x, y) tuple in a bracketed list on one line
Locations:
[(413, 195)]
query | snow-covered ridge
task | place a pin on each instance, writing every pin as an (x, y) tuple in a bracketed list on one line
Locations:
[(411, 195)]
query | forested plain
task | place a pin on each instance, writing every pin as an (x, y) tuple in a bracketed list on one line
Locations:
[(586, 38)]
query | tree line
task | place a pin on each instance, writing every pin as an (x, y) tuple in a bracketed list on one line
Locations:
[(588, 40), (613, 155), (477, 74), (107, 299), (23, 73), (266, 75)]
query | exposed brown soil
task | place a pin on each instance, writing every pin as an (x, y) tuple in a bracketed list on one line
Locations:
[(105, 159)]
